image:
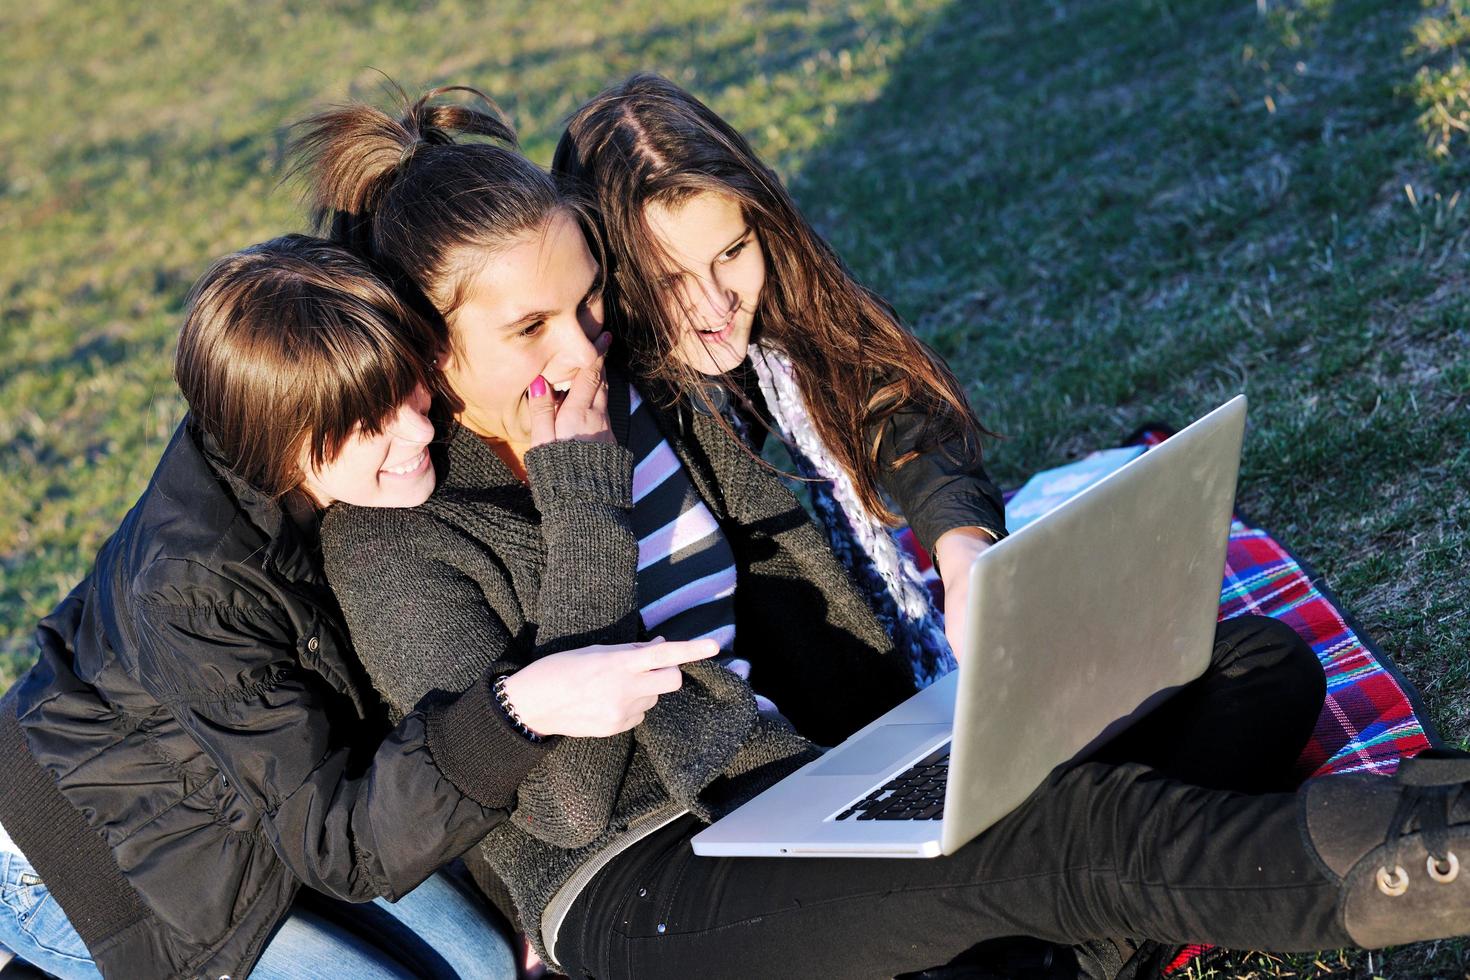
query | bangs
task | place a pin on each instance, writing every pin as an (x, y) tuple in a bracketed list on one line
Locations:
[(354, 375), (290, 347)]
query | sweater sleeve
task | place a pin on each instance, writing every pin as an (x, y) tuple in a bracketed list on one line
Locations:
[(584, 492)]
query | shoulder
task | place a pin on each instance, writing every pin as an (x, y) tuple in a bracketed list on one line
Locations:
[(368, 551), (199, 631), (347, 529), (359, 542), (186, 583), (187, 542)]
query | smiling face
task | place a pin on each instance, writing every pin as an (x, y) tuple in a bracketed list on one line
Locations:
[(714, 273), (390, 469), (533, 308)]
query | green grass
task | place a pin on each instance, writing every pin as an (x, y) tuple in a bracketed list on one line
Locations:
[(1102, 212)]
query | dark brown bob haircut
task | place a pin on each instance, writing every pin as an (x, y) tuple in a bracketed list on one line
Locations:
[(647, 141), (428, 194), (295, 343)]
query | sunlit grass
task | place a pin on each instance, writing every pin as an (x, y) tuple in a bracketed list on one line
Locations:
[(142, 141)]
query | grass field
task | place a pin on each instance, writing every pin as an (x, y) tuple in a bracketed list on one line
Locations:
[(1101, 212)]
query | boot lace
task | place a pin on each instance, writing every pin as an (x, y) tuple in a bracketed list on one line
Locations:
[(1433, 783)]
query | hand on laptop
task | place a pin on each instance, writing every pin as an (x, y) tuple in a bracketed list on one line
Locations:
[(954, 553)]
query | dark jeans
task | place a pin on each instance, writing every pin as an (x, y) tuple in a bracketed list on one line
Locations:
[(1193, 839)]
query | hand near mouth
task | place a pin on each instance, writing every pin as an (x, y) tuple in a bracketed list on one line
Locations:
[(582, 413)]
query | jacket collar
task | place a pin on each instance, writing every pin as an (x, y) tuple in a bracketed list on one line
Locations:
[(289, 525)]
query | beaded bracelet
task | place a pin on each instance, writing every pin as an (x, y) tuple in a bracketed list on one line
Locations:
[(503, 699)]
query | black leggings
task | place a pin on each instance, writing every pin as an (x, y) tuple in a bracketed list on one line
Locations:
[(1192, 839)]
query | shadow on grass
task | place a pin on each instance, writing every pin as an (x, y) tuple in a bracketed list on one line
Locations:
[(1104, 213)]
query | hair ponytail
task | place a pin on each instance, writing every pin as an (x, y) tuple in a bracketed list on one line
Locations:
[(350, 156), (413, 192)]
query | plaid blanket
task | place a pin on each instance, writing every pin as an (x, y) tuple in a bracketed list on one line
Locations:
[(1372, 717)]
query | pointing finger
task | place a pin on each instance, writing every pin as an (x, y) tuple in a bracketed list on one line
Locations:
[(663, 680), (675, 652)]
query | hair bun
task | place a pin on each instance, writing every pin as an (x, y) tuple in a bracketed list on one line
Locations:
[(437, 123), (350, 156), (414, 187)]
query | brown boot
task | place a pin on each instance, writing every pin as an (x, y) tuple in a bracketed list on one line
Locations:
[(1396, 845)]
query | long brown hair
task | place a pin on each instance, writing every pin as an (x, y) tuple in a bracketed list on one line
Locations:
[(295, 343), (647, 141), (414, 194)]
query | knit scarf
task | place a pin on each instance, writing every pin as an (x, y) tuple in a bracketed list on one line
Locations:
[(886, 575)]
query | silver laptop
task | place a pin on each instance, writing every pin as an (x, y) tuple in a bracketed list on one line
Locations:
[(1080, 623)]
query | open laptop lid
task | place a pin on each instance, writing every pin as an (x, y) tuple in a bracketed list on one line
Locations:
[(1082, 621)]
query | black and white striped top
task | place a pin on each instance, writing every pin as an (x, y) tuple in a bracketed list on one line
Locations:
[(686, 570)]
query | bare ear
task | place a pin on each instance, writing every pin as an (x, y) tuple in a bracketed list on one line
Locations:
[(305, 477)]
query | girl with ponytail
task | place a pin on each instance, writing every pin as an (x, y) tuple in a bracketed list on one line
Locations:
[(583, 501)]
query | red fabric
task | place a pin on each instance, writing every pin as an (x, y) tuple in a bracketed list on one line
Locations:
[(1186, 956)]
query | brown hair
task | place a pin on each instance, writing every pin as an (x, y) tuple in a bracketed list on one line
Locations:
[(648, 141), (295, 342), (413, 195)]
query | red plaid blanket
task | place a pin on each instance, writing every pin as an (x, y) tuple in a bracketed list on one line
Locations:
[(1372, 717)]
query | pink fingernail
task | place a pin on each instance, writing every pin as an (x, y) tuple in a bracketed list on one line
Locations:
[(538, 387)]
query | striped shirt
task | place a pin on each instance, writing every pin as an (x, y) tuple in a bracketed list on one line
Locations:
[(686, 570)]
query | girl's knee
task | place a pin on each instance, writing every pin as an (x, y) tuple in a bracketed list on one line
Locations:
[(1248, 644), (1260, 641)]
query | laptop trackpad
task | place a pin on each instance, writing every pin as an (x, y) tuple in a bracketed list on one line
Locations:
[(878, 750)]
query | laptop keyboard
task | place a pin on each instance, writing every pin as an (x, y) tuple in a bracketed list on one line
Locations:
[(917, 793)]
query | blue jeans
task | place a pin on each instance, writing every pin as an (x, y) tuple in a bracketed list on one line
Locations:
[(442, 929), (32, 925)]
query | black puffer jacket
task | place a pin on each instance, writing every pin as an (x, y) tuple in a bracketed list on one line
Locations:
[(196, 739)]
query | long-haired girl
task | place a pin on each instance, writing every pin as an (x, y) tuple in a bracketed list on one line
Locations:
[(724, 292)]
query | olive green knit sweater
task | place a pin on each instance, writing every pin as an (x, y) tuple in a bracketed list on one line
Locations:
[(488, 575)]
